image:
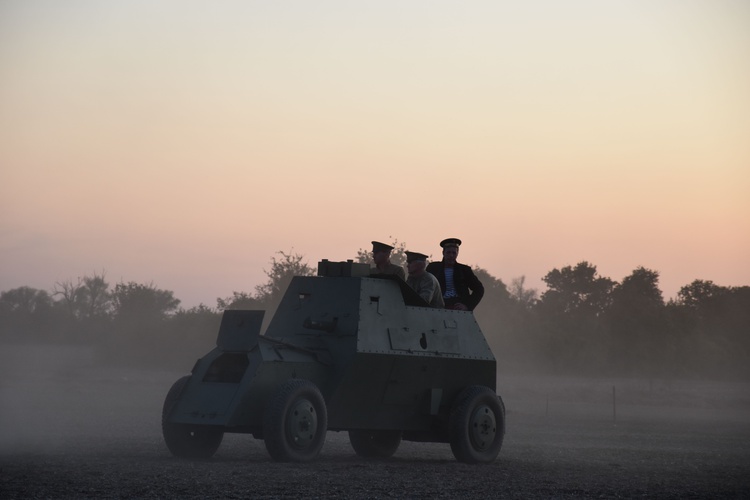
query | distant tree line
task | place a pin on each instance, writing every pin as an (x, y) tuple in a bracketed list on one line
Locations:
[(588, 324), (583, 324)]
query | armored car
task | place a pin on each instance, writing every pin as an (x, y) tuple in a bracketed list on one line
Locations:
[(344, 351)]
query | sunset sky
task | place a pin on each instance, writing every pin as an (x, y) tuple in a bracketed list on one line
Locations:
[(183, 143)]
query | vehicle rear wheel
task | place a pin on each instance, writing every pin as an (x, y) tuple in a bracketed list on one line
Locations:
[(477, 425), (375, 444), (295, 422), (186, 440)]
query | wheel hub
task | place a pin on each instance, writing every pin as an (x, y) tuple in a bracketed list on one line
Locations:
[(302, 423), (482, 428)]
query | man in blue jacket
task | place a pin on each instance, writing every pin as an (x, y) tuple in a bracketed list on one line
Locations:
[(461, 288)]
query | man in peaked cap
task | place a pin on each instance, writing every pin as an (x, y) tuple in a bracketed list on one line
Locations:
[(424, 283), (381, 255), (461, 288)]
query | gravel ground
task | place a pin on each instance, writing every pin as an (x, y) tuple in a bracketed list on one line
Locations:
[(70, 428)]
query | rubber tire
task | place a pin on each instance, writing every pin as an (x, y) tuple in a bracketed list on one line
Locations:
[(476, 425), (185, 440), (295, 422), (375, 444)]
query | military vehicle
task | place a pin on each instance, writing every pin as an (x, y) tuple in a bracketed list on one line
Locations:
[(345, 351)]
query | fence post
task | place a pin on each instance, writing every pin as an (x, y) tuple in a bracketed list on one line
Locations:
[(614, 405)]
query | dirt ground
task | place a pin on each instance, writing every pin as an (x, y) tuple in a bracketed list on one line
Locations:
[(72, 428)]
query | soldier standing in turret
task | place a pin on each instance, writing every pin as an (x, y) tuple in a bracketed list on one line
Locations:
[(424, 283), (461, 288), (381, 255)]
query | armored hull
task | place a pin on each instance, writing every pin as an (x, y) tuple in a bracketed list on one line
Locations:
[(345, 351)]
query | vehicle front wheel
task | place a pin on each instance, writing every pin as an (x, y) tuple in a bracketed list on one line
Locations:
[(295, 422), (375, 444), (185, 440), (477, 425)]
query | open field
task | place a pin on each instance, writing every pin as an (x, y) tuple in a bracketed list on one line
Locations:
[(72, 428)]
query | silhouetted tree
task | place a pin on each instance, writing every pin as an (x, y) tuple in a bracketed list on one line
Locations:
[(503, 320), (714, 322), (639, 290), (523, 344), (576, 290), (187, 334), (735, 320), (68, 293), (637, 324), (136, 300), (88, 304), (25, 300), (95, 296), (492, 310), (699, 293), (238, 300), (526, 297), (280, 275), (582, 323), (140, 322), (570, 317), (29, 313)]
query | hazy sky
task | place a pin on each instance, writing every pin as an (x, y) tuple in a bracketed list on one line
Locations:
[(183, 143)]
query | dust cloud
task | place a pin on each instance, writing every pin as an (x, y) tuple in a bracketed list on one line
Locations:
[(89, 422), (56, 397)]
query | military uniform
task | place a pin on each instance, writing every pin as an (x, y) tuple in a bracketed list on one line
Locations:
[(428, 287), (390, 269)]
